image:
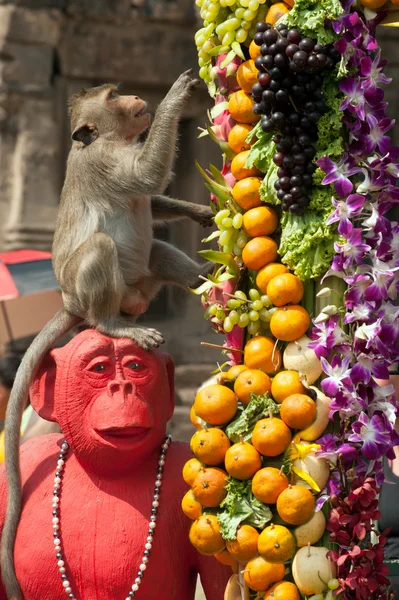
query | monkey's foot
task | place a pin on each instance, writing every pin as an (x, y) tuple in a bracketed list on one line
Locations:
[(205, 270), (119, 327), (205, 217)]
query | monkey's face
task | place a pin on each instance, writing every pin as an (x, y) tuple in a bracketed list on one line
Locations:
[(130, 112), (102, 113)]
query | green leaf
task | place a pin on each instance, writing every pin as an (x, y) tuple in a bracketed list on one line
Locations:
[(218, 50), (218, 109), (237, 49), (203, 133), (220, 258), (310, 15), (255, 131), (307, 244), (213, 236), (230, 56), (257, 409), (207, 285), (241, 506), (217, 175)]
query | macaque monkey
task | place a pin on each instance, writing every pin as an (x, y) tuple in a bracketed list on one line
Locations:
[(105, 259)]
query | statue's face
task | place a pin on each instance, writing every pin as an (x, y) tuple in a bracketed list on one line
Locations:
[(112, 399)]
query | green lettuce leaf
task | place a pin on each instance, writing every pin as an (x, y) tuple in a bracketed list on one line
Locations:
[(261, 152), (321, 199), (330, 134), (257, 409), (241, 506), (307, 244), (309, 16)]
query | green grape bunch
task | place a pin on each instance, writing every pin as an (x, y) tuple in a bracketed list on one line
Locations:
[(252, 312), (226, 25)]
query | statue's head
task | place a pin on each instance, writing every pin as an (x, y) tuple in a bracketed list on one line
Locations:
[(111, 399)]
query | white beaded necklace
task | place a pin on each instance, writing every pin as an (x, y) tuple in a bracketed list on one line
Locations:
[(57, 529)]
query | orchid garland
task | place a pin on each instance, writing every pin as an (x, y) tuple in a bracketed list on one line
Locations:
[(358, 342)]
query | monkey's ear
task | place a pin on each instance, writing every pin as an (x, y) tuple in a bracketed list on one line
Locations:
[(42, 390), (85, 133)]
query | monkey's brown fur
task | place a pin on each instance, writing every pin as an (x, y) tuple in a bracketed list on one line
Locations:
[(105, 258)]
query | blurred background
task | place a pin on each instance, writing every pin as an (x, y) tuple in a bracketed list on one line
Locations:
[(50, 49)]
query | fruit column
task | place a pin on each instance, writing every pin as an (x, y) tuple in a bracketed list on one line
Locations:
[(292, 432)]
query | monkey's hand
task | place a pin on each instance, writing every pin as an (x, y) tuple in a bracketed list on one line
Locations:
[(182, 88), (204, 216)]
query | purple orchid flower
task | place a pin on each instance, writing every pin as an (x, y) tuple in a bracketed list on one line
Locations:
[(358, 284), (326, 336), (376, 138), (372, 70), (368, 333), (373, 434), (354, 96), (339, 173), (382, 279), (360, 313), (338, 375), (354, 249), (346, 210), (365, 368)]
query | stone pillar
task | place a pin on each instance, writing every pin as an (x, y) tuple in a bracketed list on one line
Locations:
[(29, 145)]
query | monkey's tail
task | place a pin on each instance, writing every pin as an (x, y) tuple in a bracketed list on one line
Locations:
[(58, 326)]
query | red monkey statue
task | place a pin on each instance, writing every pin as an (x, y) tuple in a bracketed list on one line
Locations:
[(117, 530)]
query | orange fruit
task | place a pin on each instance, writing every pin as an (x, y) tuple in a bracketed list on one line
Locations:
[(262, 353), (205, 535), (285, 384), (234, 372), (373, 4), (216, 404), (247, 76), (298, 411), (210, 445), (275, 12), (242, 461), (268, 483), (237, 137), (258, 252), (190, 506), (260, 574), (245, 546), (251, 381), (271, 437), (285, 289), (238, 169), (226, 559), (289, 323), (267, 273), (246, 192), (261, 220), (191, 469), (240, 108), (209, 487), (254, 50), (296, 505), (283, 590), (194, 418), (276, 544)]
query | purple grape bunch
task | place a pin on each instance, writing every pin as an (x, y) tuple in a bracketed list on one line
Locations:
[(289, 97)]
